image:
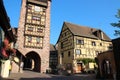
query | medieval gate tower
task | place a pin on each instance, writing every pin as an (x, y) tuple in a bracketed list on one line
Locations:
[(34, 34)]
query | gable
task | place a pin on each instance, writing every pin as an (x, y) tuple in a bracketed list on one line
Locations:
[(64, 32)]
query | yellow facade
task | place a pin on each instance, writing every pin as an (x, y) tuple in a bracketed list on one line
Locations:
[(72, 48)]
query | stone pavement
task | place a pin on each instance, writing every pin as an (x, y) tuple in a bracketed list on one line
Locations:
[(29, 75)]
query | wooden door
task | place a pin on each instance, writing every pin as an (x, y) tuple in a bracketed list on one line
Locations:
[(79, 65)]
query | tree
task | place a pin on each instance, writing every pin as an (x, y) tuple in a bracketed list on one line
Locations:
[(117, 24)]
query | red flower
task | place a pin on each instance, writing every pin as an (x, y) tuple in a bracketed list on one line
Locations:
[(4, 53)]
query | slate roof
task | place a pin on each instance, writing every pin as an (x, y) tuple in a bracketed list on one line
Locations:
[(85, 31)]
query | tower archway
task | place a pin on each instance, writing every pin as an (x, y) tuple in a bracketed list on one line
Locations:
[(32, 62)]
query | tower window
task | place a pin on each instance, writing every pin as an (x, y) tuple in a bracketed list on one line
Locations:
[(42, 20), (37, 18), (30, 28), (29, 8), (29, 39), (37, 8), (39, 30), (38, 40)]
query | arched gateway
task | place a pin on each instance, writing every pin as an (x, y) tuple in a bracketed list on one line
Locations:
[(32, 62)]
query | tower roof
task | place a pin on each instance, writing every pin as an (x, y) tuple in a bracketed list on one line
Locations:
[(39, 2)]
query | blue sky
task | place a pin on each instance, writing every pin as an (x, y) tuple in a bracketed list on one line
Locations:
[(92, 13)]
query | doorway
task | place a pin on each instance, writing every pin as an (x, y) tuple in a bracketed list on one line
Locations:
[(79, 67)]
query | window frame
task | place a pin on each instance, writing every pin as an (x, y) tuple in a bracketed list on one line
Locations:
[(93, 43), (78, 53), (69, 53), (29, 39), (80, 41), (62, 55)]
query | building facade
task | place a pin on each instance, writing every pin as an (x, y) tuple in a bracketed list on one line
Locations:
[(7, 40), (34, 34), (116, 52), (1, 36), (77, 43), (106, 65), (108, 62), (53, 58)]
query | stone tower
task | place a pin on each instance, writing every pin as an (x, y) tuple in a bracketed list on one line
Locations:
[(34, 34)]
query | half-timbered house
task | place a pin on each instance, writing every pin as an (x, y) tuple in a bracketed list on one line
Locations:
[(79, 43)]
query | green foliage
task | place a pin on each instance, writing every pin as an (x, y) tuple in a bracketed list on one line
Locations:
[(87, 60), (117, 24)]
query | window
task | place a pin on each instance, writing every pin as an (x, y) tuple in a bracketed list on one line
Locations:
[(39, 29), (28, 20), (30, 28), (100, 44), (37, 8), (61, 45), (78, 51), (80, 42), (42, 20), (97, 52), (106, 67), (29, 8), (29, 16), (37, 18), (62, 54), (44, 9), (29, 39), (93, 43), (38, 40), (110, 47), (69, 54)]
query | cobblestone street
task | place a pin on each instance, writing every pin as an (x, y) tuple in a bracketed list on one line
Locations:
[(28, 75)]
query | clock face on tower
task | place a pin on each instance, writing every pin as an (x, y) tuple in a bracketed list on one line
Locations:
[(34, 25)]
